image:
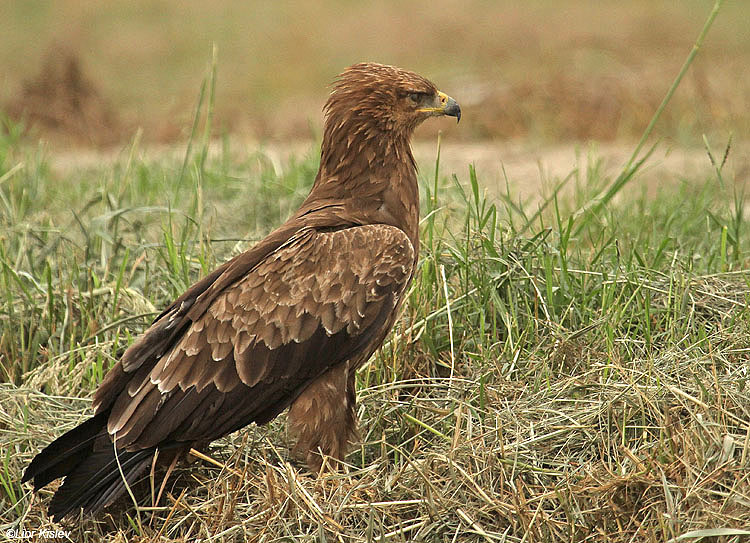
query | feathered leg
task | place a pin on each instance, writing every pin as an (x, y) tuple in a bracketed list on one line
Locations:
[(323, 418)]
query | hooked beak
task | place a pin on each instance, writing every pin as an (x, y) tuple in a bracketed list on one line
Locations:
[(445, 106)]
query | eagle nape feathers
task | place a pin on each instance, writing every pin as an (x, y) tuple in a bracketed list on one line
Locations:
[(284, 324)]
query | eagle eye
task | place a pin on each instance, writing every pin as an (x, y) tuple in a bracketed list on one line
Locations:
[(416, 97)]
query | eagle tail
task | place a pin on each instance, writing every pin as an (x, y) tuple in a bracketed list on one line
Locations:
[(94, 476), (65, 453)]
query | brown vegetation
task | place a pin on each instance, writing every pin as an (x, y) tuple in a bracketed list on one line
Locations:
[(64, 102), (548, 71)]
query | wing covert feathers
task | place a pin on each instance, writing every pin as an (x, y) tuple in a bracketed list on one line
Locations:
[(320, 299)]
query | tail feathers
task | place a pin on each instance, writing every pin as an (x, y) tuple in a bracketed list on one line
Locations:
[(97, 481), (65, 453), (86, 458)]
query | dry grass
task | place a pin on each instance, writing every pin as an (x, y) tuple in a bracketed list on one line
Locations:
[(598, 449), (571, 369), (63, 102), (540, 386), (549, 71)]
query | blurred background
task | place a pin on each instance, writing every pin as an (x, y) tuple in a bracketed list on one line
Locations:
[(90, 73)]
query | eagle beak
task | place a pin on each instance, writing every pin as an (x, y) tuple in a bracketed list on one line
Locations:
[(445, 106), (450, 106)]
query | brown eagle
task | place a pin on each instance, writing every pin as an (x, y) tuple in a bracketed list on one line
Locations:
[(284, 324)]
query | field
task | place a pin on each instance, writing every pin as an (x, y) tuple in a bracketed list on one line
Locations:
[(546, 71), (572, 360), (562, 371)]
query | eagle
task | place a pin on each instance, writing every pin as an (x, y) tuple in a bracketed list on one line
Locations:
[(283, 325)]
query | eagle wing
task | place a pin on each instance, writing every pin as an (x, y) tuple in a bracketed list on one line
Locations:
[(208, 367)]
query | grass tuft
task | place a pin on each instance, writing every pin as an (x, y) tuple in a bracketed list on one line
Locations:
[(542, 384)]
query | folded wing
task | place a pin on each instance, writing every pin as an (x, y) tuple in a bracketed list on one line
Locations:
[(320, 299)]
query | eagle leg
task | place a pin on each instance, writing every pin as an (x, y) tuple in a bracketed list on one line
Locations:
[(323, 418)]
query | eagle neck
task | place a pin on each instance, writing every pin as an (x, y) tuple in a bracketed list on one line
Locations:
[(371, 173)]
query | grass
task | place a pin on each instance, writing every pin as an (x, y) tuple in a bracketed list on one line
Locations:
[(567, 368), (561, 371)]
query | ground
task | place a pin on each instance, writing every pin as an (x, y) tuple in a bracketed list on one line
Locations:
[(572, 361), (560, 371), (546, 71)]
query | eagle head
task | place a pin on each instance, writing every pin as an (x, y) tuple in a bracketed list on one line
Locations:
[(378, 98)]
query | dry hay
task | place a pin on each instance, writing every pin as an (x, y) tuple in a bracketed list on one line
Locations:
[(584, 446), (640, 450), (63, 100), (599, 107)]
